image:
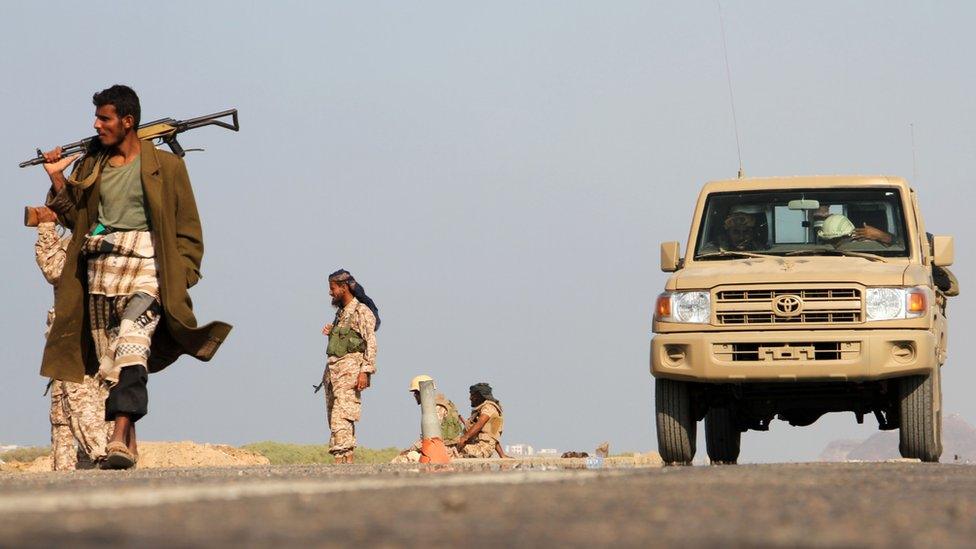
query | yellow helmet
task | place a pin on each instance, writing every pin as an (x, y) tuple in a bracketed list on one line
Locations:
[(415, 382)]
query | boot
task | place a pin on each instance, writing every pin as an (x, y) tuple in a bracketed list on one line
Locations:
[(34, 216)]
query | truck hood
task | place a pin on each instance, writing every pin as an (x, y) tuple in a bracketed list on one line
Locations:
[(787, 270)]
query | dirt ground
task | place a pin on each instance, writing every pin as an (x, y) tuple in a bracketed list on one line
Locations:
[(157, 455)]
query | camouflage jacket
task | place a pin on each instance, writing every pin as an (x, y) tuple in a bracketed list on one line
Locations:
[(357, 316), (50, 251)]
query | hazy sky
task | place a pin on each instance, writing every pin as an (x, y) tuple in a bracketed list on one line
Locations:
[(498, 176)]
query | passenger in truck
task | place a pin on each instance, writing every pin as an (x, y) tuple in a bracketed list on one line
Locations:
[(864, 232)]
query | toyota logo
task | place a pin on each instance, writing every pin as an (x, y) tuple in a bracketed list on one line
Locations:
[(787, 305)]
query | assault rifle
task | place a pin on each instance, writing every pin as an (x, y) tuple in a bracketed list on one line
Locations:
[(164, 129)]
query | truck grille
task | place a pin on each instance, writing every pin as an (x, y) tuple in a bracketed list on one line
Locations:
[(750, 306), (775, 352)]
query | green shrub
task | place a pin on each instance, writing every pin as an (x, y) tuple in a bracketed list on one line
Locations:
[(26, 454), (379, 455), (280, 453)]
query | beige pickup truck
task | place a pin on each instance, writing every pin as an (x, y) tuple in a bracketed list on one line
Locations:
[(799, 296)]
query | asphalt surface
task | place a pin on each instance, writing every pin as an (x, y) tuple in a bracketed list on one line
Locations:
[(849, 504)]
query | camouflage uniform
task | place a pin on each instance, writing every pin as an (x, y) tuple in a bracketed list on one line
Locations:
[(342, 400), (483, 445), (77, 409), (78, 417)]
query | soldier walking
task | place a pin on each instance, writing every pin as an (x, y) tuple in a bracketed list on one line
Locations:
[(78, 427), (136, 249), (351, 360)]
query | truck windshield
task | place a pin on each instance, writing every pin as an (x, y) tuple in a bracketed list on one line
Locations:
[(803, 222)]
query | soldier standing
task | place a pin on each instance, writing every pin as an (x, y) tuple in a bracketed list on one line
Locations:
[(78, 427), (484, 427), (351, 360)]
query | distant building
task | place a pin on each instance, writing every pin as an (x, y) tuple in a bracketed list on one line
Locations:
[(548, 452), (522, 450)]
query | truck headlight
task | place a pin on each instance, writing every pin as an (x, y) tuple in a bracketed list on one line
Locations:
[(895, 303), (692, 307)]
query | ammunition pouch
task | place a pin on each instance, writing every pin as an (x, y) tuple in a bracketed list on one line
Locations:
[(451, 426), (344, 340)]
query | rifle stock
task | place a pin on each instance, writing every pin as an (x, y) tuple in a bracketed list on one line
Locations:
[(164, 129)]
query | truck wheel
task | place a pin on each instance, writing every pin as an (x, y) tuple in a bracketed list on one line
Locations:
[(722, 436), (920, 428), (676, 426)]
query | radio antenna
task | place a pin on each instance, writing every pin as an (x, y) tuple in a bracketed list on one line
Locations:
[(728, 76), (911, 129)]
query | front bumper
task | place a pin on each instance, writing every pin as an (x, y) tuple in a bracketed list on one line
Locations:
[(791, 356)]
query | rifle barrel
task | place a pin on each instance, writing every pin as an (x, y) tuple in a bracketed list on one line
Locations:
[(180, 125), (66, 150)]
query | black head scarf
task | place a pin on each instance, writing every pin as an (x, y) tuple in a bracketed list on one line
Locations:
[(484, 391), (343, 276)]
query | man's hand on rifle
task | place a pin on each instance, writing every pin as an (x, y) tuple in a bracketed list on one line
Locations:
[(54, 165)]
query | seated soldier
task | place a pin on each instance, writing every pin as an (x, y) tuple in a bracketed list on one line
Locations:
[(838, 230), (865, 232), (484, 427), (452, 424)]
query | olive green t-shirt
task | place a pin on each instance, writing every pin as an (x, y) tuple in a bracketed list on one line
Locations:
[(122, 204)]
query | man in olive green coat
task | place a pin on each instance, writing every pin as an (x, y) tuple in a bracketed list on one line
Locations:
[(176, 244)]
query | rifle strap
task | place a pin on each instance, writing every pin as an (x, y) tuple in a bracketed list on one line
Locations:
[(100, 159)]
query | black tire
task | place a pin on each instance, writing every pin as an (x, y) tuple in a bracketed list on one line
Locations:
[(920, 427), (676, 426), (722, 436)]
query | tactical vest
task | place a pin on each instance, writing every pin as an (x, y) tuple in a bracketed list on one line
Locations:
[(451, 426), (344, 340), (495, 425)]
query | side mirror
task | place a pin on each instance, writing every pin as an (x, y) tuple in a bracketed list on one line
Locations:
[(943, 250), (670, 256)]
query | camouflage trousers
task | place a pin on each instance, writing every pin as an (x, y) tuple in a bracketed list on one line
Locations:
[(342, 403), (78, 427), (478, 449)]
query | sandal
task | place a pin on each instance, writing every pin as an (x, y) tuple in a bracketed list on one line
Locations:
[(118, 456)]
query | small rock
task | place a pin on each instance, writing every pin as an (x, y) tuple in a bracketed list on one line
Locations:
[(454, 503)]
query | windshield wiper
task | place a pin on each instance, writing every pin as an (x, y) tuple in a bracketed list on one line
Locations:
[(732, 253), (863, 255)]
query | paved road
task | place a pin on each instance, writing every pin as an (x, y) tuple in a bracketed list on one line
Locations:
[(808, 504)]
